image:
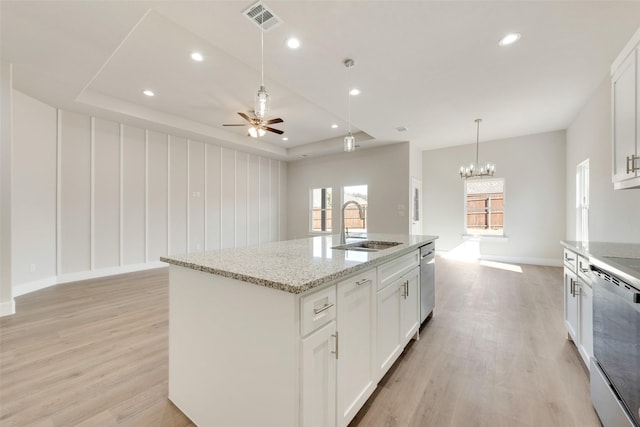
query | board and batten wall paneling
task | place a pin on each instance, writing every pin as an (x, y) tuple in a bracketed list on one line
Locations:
[(178, 195), (157, 195), (241, 199), (75, 192), (106, 194), (133, 197), (196, 196), (34, 190), (253, 204), (213, 197), (227, 198), (103, 197)]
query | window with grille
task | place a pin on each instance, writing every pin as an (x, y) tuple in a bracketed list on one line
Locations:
[(484, 207), (321, 210)]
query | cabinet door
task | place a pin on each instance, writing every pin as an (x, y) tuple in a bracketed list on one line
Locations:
[(586, 322), (356, 366), (623, 88), (571, 304), (388, 326), (410, 305), (319, 377)]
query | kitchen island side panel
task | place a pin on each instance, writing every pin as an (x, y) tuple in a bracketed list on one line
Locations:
[(233, 351)]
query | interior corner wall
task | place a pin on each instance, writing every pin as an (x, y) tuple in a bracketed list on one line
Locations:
[(533, 168), (93, 197), (7, 303), (384, 169), (613, 214)]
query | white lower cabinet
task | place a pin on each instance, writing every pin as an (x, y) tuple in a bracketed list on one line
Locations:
[(410, 305), (318, 372), (356, 369), (585, 329), (571, 304)]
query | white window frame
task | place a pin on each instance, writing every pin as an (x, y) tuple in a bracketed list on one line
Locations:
[(481, 236), (582, 201)]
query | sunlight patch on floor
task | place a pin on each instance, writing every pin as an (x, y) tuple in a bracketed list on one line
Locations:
[(468, 251), (501, 265)]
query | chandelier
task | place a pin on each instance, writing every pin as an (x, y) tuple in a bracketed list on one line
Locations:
[(472, 170)]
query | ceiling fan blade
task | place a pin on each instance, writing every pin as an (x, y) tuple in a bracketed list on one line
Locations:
[(279, 132), (244, 116), (273, 121), (244, 124)]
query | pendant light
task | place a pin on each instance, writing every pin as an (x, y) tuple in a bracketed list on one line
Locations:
[(472, 171), (349, 140), (262, 100)]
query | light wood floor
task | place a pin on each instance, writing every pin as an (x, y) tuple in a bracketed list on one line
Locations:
[(495, 353)]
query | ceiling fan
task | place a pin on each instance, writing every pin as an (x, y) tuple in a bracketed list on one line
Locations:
[(258, 126)]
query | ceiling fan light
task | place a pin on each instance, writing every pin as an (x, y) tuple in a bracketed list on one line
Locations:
[(253, 132), (262, 103), (349, 143)]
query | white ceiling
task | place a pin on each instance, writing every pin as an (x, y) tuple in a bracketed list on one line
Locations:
[(432, 66)]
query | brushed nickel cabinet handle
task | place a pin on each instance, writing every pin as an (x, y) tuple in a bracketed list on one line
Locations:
[(628, 158), (323, 308), (336, 337), (362, 282)]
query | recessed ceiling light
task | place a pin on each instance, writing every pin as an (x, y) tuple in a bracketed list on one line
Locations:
[(148, 92), (293, 43), (509, 39), (354, 91), (197, 56), (334, 126), (284, 138)]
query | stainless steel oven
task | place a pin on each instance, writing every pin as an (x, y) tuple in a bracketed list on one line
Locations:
[(615, 369)]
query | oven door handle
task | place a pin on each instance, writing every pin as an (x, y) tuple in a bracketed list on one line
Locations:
[(631, 296)]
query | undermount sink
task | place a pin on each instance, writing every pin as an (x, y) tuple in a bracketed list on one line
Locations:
[(367, 246)]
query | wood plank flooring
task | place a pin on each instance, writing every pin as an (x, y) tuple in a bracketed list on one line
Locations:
[(94, 353)]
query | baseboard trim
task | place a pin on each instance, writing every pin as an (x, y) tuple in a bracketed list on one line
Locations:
[(549, 262), (8, 308), (36, 285)]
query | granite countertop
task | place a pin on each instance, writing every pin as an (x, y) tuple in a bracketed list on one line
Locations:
[(296, 266), (622, 258)]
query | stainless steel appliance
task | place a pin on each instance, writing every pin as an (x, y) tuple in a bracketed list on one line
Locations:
[(615, 367), (427, 280)]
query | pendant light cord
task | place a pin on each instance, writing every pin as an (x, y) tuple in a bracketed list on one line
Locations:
[(261, 45), (349, 109), (477, 140)]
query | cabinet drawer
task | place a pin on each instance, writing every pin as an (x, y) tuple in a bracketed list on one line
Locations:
[(583, 267), (570, 259), (317, 309), (393, 269)]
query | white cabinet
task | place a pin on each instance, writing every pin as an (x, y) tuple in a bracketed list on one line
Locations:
[(398, 315), (356, 333), (318, 380), (578, 304), (570, 304), (410, 305), (625, 81)]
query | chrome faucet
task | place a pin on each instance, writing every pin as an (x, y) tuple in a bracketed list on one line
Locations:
[(343, 233)]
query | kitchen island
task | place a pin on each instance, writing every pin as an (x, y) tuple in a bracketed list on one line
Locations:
[(292, 333)]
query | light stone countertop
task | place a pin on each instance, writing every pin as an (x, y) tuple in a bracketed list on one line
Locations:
[(620, 258), (296, 266)]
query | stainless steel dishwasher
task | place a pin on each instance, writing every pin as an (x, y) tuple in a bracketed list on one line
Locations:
[(427, 280)]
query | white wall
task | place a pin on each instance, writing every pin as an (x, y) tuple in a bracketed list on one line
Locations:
[(384, 169), (7, 304), (613, 215), (533, 168), (92, 196)]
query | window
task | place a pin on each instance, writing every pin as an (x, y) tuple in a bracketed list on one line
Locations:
[(484, 207), (353, 222), (582, 202), (321, 210)]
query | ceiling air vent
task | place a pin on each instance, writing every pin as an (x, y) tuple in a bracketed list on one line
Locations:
[(260, 15)]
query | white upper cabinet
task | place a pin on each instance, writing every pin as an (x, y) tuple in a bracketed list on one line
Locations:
[(625, 119)]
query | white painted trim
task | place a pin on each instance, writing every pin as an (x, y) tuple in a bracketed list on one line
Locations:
[(8, 308), (206, 197), (220, 233), (235, 199), (58, 191), (550, 262), (92, 195), (146, 195), (485, 238), (626, 50), (36, 285), (121, 220), (188, 196), (247, 202), (168, 194)]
